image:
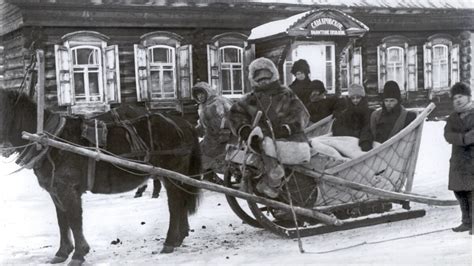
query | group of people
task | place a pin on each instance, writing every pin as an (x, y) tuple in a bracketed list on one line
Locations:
[(287, 111)]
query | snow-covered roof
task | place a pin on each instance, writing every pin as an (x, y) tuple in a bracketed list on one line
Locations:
[(275, 27), (282, 26), (439, 4)]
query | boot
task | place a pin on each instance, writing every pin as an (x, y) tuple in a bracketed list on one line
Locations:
[(462, 228), (265, 189)]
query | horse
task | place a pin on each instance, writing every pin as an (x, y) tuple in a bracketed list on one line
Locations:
[(62, 174)]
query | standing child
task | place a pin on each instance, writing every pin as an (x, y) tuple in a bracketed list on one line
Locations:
[(354, 121), (300, 85), (459, 131)]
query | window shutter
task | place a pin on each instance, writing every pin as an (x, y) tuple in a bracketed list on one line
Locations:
[(428, 65), (454, 64), (356, 66), (249, 56), (185, 71), (141, 73), (381, 65), (213, 67), (412, 68), (64, 81), (112, 74)]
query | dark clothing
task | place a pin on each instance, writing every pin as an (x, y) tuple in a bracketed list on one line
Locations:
[(465, 203), (325, 107), (301, 89), (385, 124), (279, 105), (461, 170), (354, 121)]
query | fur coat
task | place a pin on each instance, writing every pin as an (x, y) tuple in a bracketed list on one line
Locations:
[(280, 106), (461, 170)]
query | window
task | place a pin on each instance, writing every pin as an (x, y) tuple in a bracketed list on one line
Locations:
[(87, 72), (397, 61), (350, 67), (227, 64), (163, 68), (231, 70), (395, 56), (441, 63)]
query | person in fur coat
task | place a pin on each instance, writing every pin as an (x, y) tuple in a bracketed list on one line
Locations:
[(387, 121), (459, 131), (355, 119), (300, 85), (284, 117), (212, 125)]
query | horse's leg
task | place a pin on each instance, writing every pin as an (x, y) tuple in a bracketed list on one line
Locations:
[(156, 188), (140, 191), (65, 246), (70, 198), (176, 204), (184, 227)]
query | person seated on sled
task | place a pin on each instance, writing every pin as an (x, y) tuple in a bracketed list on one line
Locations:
[(387, 121), (213, 127), (321, 105), (300, 85), (284, 117), (355, 119), (459, 131)]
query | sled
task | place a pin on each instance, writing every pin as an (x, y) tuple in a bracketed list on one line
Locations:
[(319, 128), (360, 192)]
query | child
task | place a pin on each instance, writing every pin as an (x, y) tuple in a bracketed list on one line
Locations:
[(355, 119), (459, 131), (321, 105), (300, 85)]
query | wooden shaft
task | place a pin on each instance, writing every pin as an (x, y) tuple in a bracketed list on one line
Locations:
[(40, 94), (182, 178), (375, 191)]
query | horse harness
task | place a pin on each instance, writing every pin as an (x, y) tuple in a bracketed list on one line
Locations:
[(95, 131)]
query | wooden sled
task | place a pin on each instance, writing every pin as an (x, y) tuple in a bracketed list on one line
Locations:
[(350, 191)]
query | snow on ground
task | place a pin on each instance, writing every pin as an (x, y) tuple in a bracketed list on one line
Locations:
[(29, 234)]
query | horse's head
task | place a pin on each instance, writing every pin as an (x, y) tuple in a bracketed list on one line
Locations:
[(10, 119)]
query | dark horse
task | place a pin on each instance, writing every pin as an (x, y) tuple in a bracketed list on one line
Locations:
[(63, 173)]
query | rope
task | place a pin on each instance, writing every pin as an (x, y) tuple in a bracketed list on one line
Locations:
[(17, 147), (380, 241)]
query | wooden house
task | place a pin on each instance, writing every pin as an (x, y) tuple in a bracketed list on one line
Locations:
[(100, 53)]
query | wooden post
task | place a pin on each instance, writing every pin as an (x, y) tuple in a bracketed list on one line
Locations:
[(375, 191), (182, 178), (40, 94)]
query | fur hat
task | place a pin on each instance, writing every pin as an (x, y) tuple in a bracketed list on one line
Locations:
[(202, 87), (262, 68), (460, 88), (317, 85), (391, 90), (300, 65), (356, 89)]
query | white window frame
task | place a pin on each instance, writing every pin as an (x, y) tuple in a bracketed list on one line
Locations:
[(85, 70), (399, 64), (230, 66), (162, 67), (437, 66)]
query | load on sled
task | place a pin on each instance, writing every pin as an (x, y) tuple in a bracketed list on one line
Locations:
[(331, 177)]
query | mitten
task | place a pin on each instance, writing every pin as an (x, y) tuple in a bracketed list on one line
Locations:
[(282, 132), (244, 132), (365, 145), (469, 137)]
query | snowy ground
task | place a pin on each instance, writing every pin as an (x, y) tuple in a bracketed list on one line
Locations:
[(29, 234)]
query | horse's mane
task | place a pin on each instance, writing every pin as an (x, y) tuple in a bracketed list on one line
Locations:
[(16, 97)]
